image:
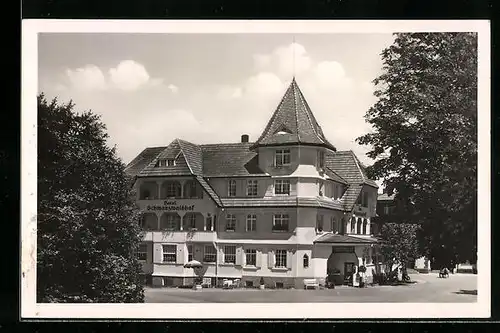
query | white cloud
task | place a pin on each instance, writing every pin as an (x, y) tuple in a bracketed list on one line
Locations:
[(128, 75), (264, 84), (285, 60), (228, 92), (173, 88), (89, 77)]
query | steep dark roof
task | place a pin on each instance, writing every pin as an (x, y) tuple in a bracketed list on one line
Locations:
[(350, 196), (344, 239), (347, 165), (193, 155), (172, 151), (142, 160), (206, 186), (293, 123), (230, 160)]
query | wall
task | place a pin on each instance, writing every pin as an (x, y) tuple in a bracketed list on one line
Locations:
[(264, 223)]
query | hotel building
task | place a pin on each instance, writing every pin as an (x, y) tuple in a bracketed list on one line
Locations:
[(285, 208)]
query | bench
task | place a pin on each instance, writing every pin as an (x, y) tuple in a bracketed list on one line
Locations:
[(311, 283)]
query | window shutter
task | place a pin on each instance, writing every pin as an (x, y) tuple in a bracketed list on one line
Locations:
[(270, 258), (289, 257), (239, 259), (258, 259), (180, 254), (157, 253)]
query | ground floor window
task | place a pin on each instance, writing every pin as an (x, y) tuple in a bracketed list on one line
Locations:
[(305, 260), (209, 254), (230, 254), (251, 257), (169, 253), (280, 258)]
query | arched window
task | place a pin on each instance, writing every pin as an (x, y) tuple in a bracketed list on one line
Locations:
[(365, 222), (148, 191), (358, 228), (192, 190), (171, 189), (170, 221), (149, 221), (353, 225), (305, 260)]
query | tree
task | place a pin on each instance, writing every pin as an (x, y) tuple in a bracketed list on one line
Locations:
[(399, 245), (424, 139), (87, 219)]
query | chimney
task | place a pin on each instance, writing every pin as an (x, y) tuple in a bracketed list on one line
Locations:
[(244, 138)]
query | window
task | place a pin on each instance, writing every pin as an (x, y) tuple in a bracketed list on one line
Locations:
[(170, 162), (353, 225), (190, 252), (251, 257), (282, 157), (319, 223), (252, 188), (280, 259), (321, 159), (208, 223), (230, 254), (230, 222), (142, 252), (364, 227), (169, 253), (146, 194), (209, 254), (282, 186), (149, 222), (280, 222), (251, 222), (190, 189), (173, 189), (386, 210), (305, 261), (334, 226), (169, 222), (161, 163), (190, 221), (231, 188), (321, 188), (358, 226)]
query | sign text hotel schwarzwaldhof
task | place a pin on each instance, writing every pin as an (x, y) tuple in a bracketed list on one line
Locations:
[(170, 206)]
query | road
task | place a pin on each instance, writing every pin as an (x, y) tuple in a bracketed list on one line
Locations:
[(428, 288)]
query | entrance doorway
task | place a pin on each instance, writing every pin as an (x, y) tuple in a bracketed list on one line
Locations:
[(348, 272)]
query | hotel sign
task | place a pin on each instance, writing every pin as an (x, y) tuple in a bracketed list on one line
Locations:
[(170, 206)]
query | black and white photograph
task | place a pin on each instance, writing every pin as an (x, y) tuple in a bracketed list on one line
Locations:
[(248, 169)]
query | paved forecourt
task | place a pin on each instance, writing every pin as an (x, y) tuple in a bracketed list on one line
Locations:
[(429, 288)]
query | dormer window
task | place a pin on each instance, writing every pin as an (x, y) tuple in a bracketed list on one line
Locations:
[(282, 157), (166, 162)]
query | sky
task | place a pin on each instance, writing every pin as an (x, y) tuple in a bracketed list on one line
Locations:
[(211, 88)]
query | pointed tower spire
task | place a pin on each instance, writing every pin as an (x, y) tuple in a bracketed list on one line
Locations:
[(293, 123)]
